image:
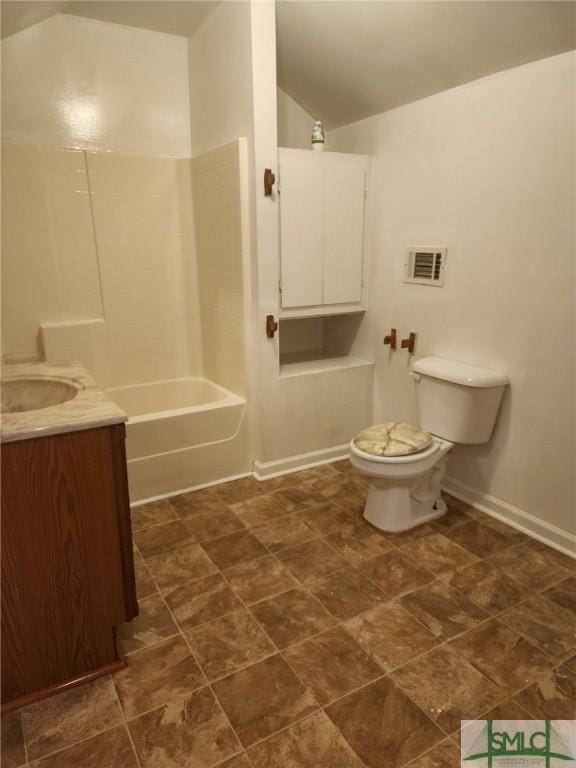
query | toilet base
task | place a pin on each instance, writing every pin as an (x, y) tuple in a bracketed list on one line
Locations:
[(396, 506), (386, 510)]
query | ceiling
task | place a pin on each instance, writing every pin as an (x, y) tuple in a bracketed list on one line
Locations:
[(172, 16), (343, 61)]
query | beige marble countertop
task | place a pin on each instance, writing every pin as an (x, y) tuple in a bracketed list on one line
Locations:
[(90, 408)]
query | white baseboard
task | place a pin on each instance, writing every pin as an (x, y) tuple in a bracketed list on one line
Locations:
[(262, 471), (161, 496), (265, 470), (534, 527)]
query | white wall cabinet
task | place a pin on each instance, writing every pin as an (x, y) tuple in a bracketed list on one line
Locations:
[(323, 199)]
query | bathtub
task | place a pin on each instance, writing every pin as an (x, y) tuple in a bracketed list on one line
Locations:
[(181, 434)]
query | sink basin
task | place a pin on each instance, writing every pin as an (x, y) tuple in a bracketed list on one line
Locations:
[(29, 394)]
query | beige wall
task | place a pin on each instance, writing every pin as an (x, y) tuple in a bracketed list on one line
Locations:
[(217, 213), (73, 82), (220, 75), (49, 262), (294, 123), (488, 170)]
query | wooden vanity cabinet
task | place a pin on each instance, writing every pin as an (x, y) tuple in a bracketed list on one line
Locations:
[(67, 561)]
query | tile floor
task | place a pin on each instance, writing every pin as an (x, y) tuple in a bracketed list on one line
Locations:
[(278, 629)]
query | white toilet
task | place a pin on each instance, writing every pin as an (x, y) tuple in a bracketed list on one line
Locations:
[(404, 465)]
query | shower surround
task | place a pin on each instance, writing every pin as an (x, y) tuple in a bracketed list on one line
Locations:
[(113, 260)]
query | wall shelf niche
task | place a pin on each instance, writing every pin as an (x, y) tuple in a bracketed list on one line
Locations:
[(318, 344)]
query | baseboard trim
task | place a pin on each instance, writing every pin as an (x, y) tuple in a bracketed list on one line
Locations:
[(268, 469), (52, 690), (180, 491), (547, 533), (263, 471)]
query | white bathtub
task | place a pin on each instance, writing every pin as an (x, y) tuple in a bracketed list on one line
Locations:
[(181, 433)]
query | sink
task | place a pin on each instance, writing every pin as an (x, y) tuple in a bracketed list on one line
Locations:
[(33, 394)]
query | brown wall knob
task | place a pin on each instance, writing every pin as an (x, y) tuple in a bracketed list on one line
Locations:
[(391, 338), (269, 181), (271, 326), (409, 343)]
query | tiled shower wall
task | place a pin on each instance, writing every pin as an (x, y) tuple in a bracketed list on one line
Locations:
[(145, 240), (217, 214), (101, 237), (49, 261)]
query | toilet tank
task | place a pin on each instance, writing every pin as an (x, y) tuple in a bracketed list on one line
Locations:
[(456, 401)]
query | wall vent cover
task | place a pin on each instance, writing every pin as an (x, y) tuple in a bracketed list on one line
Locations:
[(425, 265)]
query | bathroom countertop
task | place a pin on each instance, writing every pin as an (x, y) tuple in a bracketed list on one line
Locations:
[(90, 408)]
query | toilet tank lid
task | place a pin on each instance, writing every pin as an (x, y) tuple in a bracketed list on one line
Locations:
[(459, 373)]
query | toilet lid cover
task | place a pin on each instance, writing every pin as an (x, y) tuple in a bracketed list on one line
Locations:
[(395, 438)]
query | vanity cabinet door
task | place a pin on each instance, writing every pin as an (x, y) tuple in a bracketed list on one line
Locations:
[(67, 563)]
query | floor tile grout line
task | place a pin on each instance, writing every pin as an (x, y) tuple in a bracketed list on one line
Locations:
[(475, 628), (24, 740), (75, 743), (282, 651), (291, 513), (200, 667), (478, 716), (247, 608), (303, 719), (524, 634), (447, 740), (125, 722), (207, 684), (294, 672)]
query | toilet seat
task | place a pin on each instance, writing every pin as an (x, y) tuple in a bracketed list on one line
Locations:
[(392, 439), (408, 458)]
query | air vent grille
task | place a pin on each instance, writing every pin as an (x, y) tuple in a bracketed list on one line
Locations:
[(425, 265)]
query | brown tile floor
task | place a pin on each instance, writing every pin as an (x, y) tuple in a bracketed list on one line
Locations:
[(278, 629)]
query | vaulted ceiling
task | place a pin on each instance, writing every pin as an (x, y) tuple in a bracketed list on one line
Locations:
[(343, 60), (178, 17)]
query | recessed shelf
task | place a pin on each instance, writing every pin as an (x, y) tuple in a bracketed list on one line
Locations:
[(318, 344), (322, 311), (294, 365)]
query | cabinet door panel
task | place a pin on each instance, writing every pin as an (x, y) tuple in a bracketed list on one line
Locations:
[(344, 231), (301, 228)]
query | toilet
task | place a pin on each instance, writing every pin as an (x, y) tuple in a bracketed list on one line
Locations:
[(405, 464)]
